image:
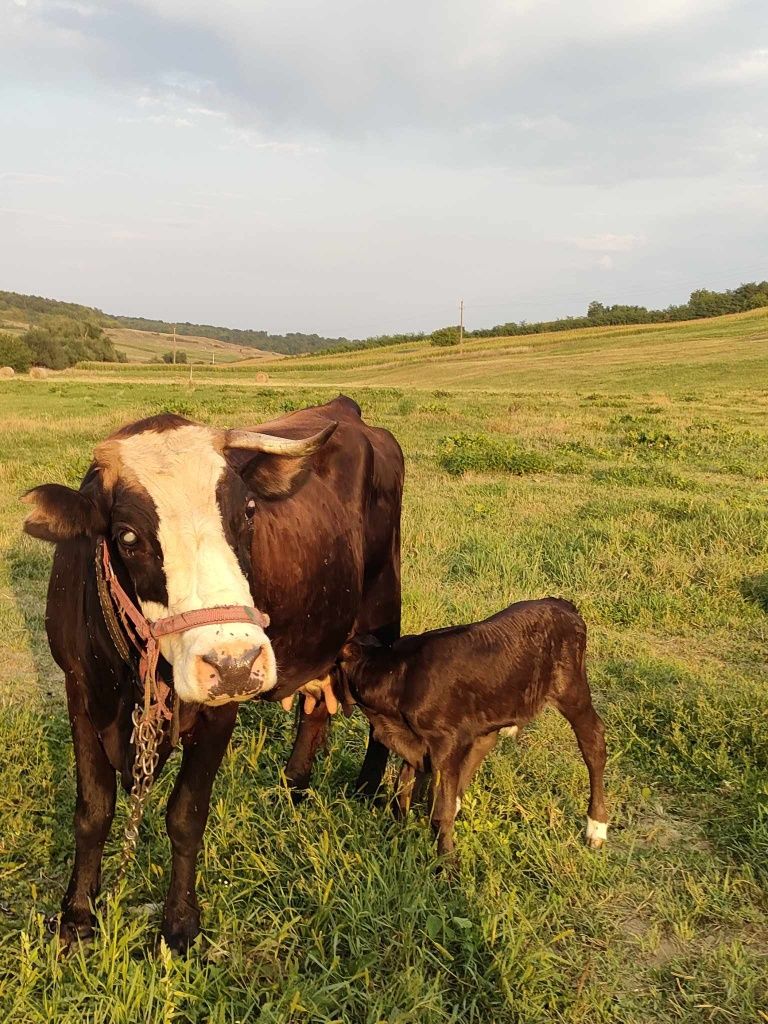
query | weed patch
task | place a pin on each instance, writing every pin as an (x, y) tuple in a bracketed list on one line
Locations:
[(462, 453)]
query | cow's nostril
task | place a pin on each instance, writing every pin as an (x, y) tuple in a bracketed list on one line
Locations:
[(234, 671)]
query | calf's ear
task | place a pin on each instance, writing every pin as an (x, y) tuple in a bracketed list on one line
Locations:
[(61, 513)]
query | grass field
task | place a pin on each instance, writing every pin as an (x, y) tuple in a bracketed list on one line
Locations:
[(626, 469)]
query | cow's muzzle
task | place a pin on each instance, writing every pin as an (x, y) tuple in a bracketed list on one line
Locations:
[(231, 676)]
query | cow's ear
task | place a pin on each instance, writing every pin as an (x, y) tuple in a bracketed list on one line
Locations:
[(275, 476), (273, 466), (61, 513)]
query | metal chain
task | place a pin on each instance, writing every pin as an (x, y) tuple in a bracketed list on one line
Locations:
[(147, 734)]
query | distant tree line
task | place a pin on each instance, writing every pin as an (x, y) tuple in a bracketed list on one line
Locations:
[(30, 308), (57, 342), (702, 303)]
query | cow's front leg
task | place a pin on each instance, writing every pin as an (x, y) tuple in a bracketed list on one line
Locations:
[(186, 818), (94, 810)]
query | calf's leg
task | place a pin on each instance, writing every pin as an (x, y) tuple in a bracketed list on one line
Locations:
[(94, 810), (590, 735), (186, 818), (472, 762), (444, 808), (404, 791)]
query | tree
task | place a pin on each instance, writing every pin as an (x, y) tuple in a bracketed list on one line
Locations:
[(15, 352), (445, 336), (60, 341)]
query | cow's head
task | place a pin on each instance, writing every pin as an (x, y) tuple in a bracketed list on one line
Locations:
[(177, 499)]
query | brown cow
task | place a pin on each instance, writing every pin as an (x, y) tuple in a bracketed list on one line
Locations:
[(299, 520)]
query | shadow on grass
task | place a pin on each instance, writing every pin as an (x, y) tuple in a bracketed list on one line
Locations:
[(754, 589), (706, 742), (29, 565)]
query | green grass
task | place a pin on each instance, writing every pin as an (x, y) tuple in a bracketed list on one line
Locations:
[(585, 467)]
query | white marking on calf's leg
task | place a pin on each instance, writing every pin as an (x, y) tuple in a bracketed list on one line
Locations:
[(597, 833), (509, 731)]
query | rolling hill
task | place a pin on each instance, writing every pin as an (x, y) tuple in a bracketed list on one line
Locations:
[(19, 311), (651, 356), (144, 346)]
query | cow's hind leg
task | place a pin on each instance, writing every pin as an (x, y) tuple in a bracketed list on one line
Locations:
[(372, 771), (94, 810), (310, 736), (186, 818), (577, 707), (380, 615)]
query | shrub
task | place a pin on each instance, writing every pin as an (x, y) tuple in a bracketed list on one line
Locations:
[(444, 336), (460, 453), (14, 353)]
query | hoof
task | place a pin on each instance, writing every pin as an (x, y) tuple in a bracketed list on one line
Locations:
[(596, 833), (72, 930), (180, 940)]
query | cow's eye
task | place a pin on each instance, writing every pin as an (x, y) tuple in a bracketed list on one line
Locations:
[(250, 508), (128, 538)]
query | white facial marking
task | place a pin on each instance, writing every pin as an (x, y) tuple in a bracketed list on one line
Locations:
[(597, 831), (180, 470)]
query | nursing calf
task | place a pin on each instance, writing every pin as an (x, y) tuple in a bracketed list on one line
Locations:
[(440, 700)]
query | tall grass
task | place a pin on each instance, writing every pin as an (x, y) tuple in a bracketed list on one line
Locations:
[(646, 509)]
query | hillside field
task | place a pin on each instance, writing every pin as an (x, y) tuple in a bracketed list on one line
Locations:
[(143, 346), (623, 468)]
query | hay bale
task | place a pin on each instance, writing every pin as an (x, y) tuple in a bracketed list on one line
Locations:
[(261, 377), (6, 372), (39, 372)]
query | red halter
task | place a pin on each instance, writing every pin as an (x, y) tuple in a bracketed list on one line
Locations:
[(144, 634)]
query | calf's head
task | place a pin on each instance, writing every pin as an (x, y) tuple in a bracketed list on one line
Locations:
[(176, 501)]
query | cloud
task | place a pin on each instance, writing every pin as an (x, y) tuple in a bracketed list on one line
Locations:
[(608, 242), (26, 178), (746, 67), (162, 119), (410, 150), (605, 90)]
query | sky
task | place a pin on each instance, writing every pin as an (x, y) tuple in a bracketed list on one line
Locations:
[(353, 168)]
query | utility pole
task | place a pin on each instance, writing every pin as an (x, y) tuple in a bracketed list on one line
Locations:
[(461, 322), (174, 344), (213, 356)]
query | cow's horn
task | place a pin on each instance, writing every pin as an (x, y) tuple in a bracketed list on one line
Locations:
[(255, 442)]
